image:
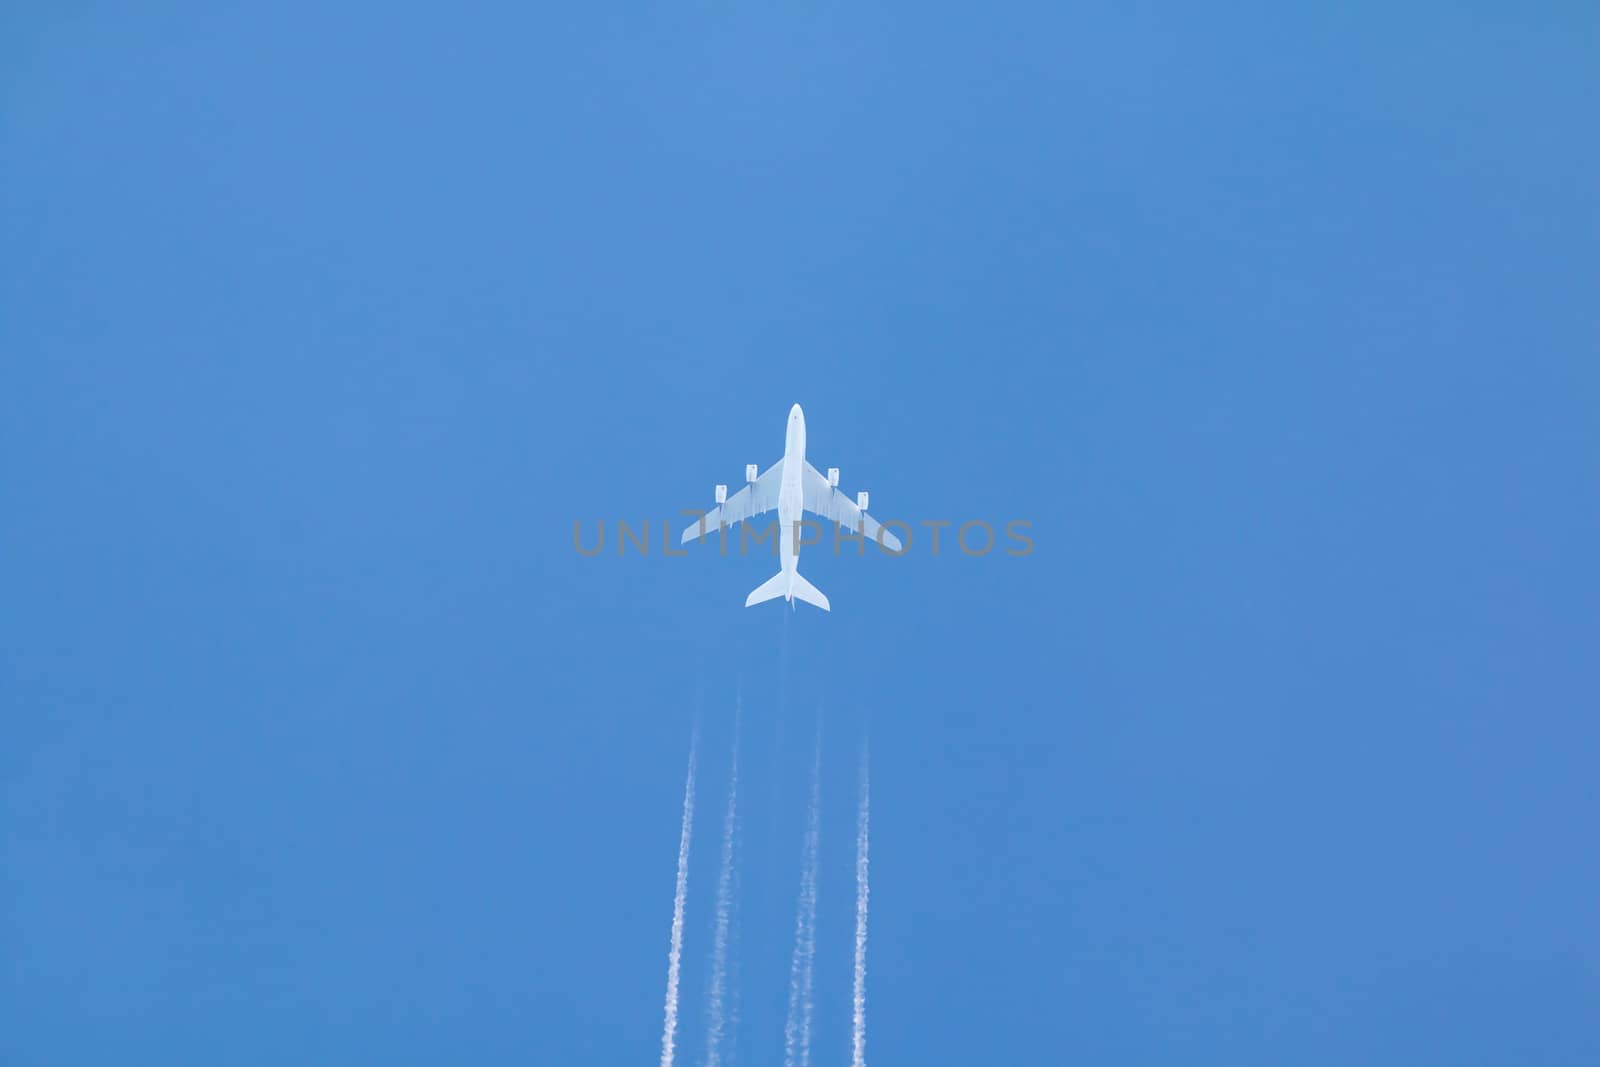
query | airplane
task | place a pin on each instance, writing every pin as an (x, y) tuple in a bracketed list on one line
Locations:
[(791, 485)]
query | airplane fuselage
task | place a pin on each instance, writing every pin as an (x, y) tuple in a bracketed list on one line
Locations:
[(791, 498)]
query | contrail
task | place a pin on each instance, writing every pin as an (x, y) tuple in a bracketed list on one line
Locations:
[(715, 1000), (669, 1029), (858, 1015), (797, 1030)]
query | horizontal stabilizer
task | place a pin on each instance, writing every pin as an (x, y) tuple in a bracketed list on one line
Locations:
[(804, 590), (775, 586)]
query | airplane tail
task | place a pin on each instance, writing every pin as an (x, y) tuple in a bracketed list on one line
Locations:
[(779, 585), (804, 590)]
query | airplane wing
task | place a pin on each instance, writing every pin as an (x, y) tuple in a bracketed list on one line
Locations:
[(756, 497), (824, 500)]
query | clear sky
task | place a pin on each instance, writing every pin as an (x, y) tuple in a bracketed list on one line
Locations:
[(320, 325)]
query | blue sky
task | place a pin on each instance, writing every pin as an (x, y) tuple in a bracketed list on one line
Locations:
[(320, 326)]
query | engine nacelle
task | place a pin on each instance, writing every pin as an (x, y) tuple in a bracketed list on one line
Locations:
[(750, 472), (861, 500), (833, 477), (721, 493)]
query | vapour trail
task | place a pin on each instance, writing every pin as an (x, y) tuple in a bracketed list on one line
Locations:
[(669, 1028), (716, 998), (858, 1015), (797, 1029), (776, 774)]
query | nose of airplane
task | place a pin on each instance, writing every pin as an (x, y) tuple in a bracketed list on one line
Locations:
[(795, 413)]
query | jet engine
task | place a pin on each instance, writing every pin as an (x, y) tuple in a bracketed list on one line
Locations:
[(721, 493), (861, 500), (750, 472), (833, 477)]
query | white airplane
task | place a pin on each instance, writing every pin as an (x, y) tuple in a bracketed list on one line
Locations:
[(791, 485)]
